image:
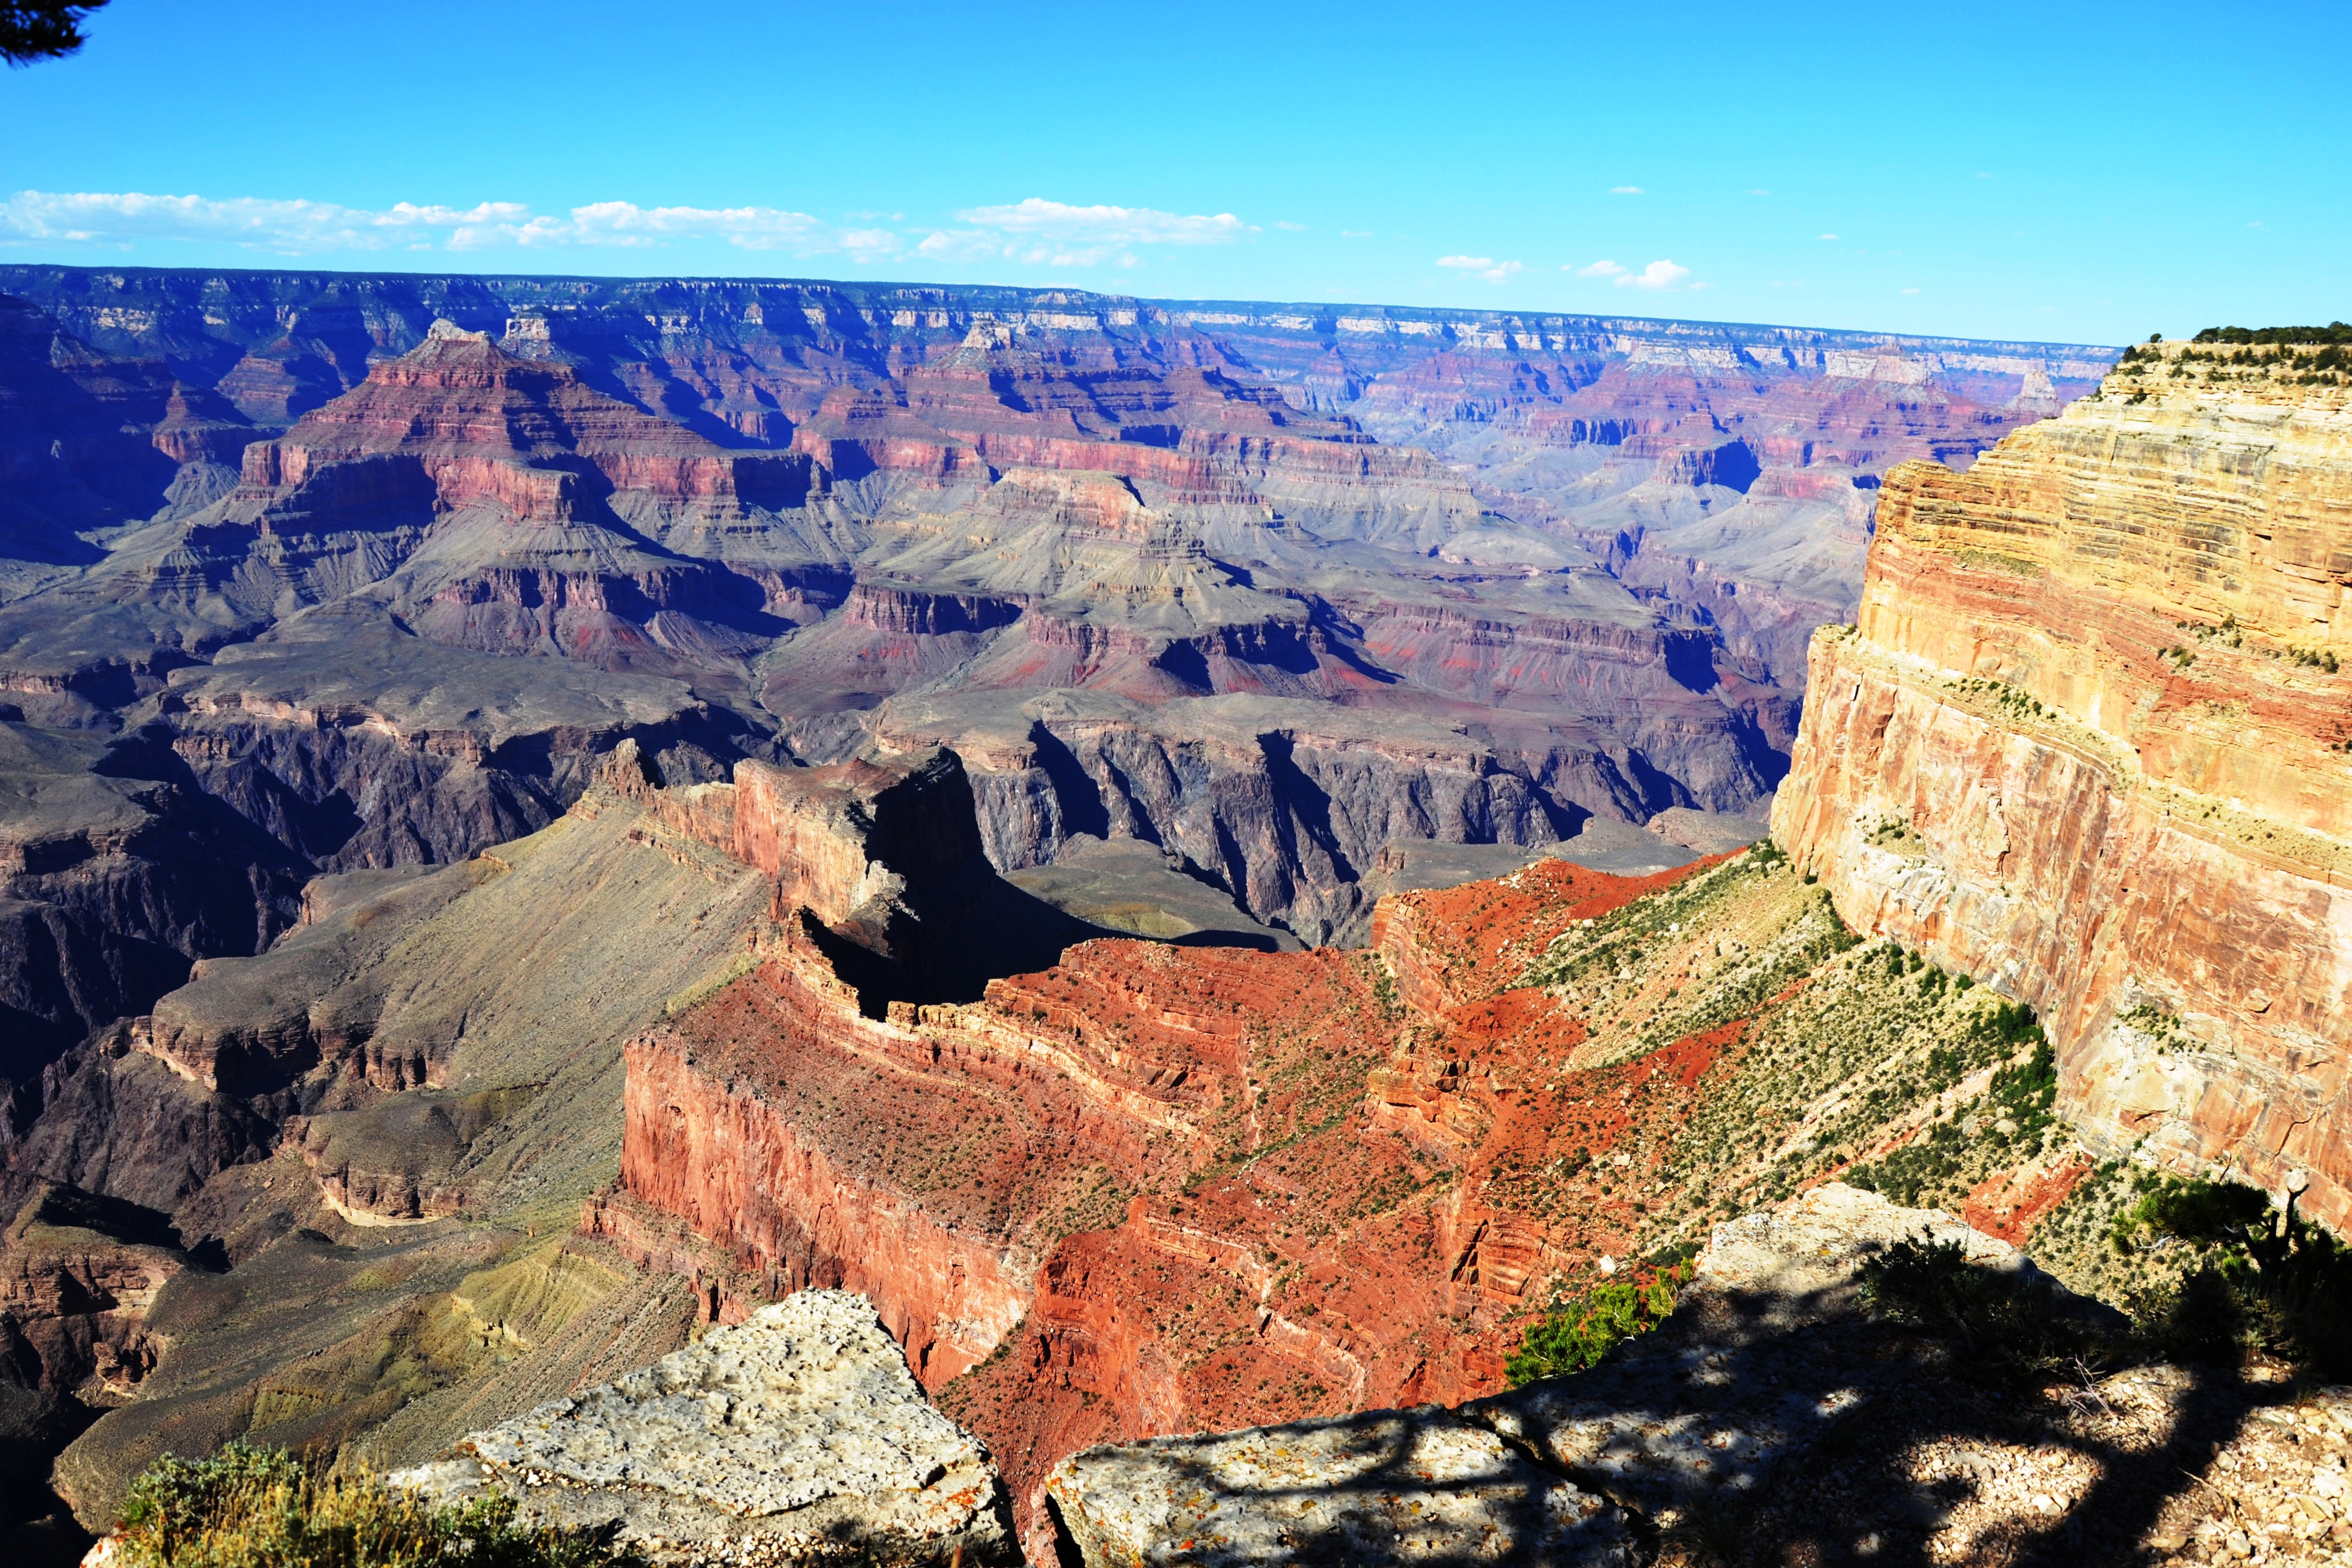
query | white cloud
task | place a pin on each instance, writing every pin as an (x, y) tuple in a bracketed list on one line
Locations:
[(1598, 269), (1829, 236), (1056, 234), (255, 222), (627, 223), (1355, 234), (1108, 224), (1486, 267), (1626, 191), (1657, 274), (1035, 231), (303, 227), (1910, 290), (1759, 192), (1291, 228)]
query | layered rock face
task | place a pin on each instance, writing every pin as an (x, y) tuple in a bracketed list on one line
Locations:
[(77, 1277), (2087, 742)]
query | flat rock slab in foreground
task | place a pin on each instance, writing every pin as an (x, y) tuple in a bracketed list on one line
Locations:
[(798, 1436), (1389, 1486)]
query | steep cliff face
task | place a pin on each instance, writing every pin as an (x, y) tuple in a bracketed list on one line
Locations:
[(2087, 741)]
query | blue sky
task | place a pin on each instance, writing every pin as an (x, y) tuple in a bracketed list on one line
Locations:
[(2060, 171)]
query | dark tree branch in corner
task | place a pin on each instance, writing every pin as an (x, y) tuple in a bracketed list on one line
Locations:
[(42, 30)]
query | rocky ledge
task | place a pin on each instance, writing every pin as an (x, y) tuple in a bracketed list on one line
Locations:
[(800, 1437), (1773, 1418)]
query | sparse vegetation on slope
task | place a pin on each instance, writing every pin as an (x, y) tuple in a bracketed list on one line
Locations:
[(2334, 332), (263, 1507)]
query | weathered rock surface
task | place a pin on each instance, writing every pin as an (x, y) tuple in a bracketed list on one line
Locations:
[(2087, 744), (78, 1276), (445, 1140), (1388, 1486), (798, 1435), (1767, 1351)]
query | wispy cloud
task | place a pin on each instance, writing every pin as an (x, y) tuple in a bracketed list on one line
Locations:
[(295, 227), (1036, 230), (1627, 191), (1057, 234), (1910, 290), (1759, 191), (1291, 228), (1355, 234), (1486, 267), (1829, 236), (1657, 274)]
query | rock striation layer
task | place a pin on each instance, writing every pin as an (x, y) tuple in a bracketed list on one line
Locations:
[(2087, 741), (797, 1437)]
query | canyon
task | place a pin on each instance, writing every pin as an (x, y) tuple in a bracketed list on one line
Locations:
[(1210, 862), (309, 573)]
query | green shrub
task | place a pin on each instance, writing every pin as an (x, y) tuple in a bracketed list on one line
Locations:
[(2334, 332), (2266, 1280), (2003, 1323), (1578, 1333), (263, 1507)]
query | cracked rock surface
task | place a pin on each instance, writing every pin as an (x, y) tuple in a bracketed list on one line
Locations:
[(798, 1436)]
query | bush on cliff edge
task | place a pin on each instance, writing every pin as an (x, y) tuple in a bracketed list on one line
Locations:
[(263, 1507), (2266, 1281), (1581, 1331)]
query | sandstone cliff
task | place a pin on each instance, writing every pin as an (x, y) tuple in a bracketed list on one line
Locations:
[(2087, 741)]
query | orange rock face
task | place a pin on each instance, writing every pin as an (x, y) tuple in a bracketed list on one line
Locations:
[(1158, 1189), (527, 435), (2087, 742)]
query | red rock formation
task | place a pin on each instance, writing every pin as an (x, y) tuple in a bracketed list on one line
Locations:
[(1210, 1187), (2087, 742), (74, 1295), (525, 436)]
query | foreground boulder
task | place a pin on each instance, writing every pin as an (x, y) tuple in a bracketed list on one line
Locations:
[(1766, 1351), (798, 1436)]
